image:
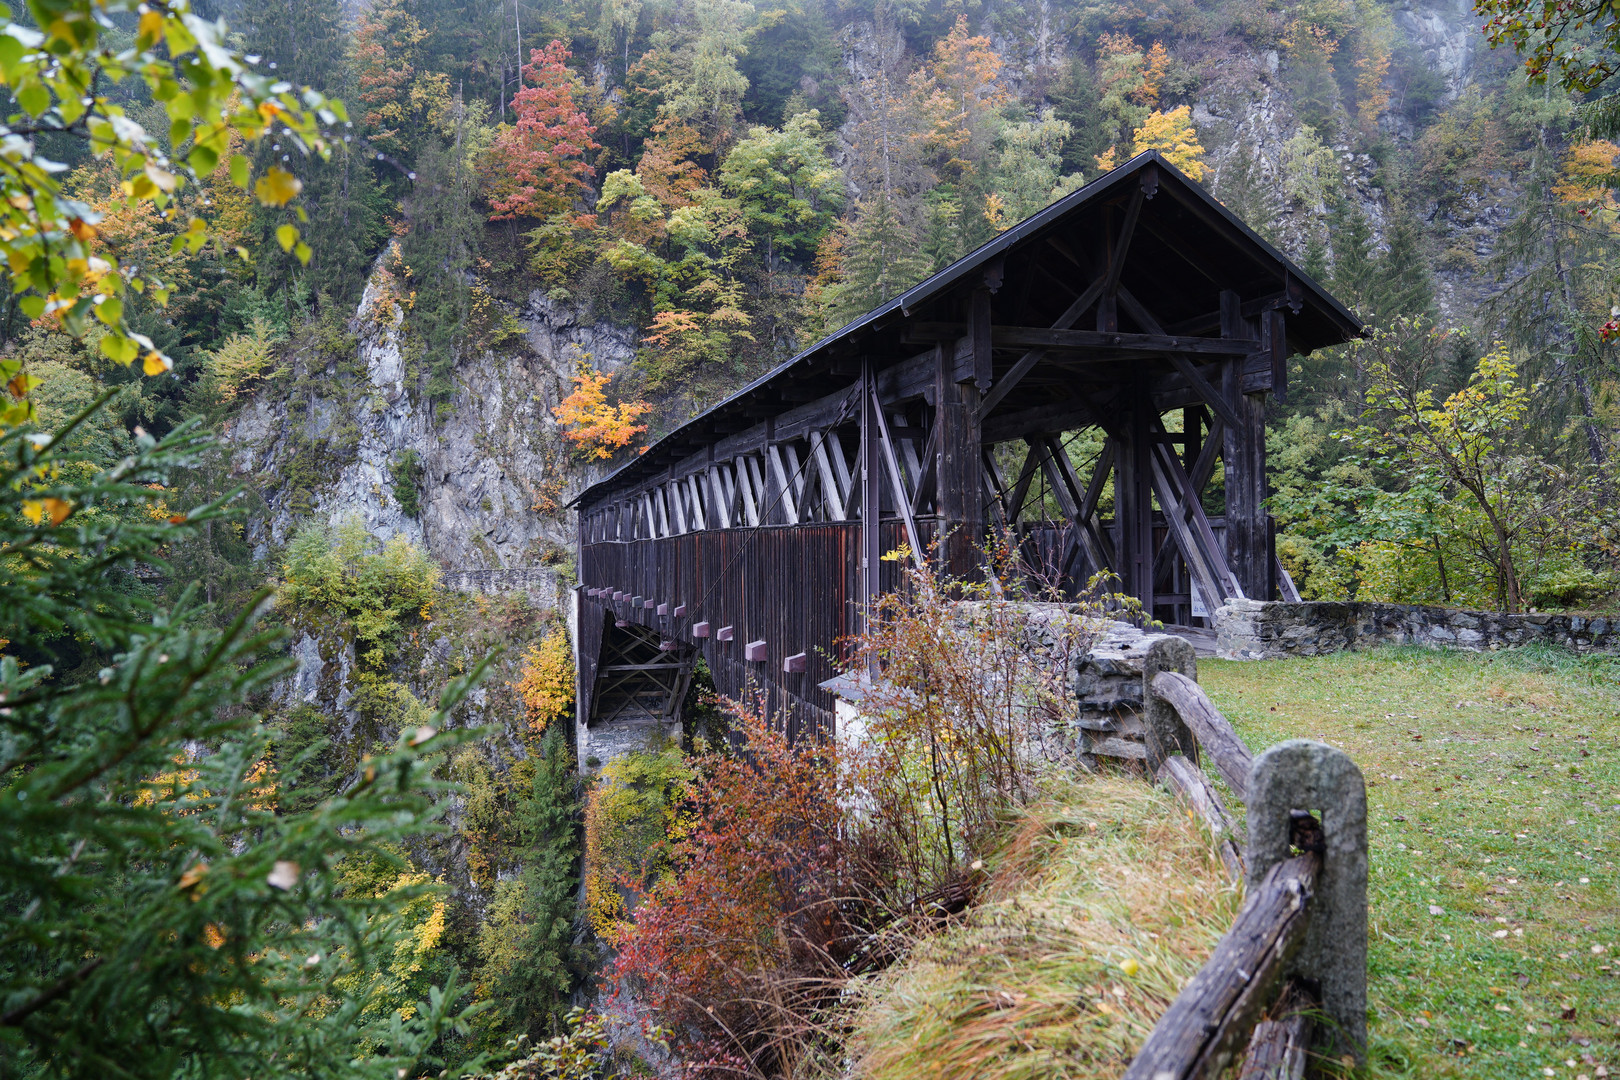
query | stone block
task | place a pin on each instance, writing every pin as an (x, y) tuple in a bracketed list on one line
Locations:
[(756, 651)]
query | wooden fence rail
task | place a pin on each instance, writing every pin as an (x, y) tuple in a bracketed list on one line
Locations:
[(1289, 979)]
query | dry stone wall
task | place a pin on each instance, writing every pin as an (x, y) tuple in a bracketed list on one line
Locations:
[(1259, 630)]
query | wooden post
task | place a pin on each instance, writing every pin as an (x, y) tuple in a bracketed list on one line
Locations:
[(871, 498), (959, 490), (1247, 549), (1133, 503)]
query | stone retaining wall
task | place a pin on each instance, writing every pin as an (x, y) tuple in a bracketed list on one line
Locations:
[(540, 580), (1259, 630)]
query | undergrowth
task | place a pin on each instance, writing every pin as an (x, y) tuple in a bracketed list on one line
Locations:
[(1103, 903)]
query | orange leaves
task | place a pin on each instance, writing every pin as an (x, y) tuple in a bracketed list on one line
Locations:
[(596, 428), (546, 684), (39, 510), (537, 167), (668, 326)]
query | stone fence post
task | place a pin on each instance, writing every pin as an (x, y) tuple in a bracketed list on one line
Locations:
[(1300, 776)]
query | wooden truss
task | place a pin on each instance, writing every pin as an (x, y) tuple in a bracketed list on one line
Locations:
[(637, 680)]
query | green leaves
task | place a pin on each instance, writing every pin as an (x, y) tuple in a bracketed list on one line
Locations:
[(207, 94)]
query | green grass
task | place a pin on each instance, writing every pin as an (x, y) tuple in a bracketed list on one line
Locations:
[(1493, 788)]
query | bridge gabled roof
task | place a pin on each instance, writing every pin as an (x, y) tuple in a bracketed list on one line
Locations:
[(1187, 249)]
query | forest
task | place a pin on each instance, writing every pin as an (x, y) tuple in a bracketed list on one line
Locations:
[(318, 309)]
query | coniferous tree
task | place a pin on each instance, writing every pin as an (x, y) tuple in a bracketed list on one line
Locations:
[(533, 987)]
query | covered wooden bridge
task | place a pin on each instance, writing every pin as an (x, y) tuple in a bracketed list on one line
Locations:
[(1076, 380)]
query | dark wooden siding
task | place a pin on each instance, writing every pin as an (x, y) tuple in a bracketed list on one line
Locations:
[(797, 588)]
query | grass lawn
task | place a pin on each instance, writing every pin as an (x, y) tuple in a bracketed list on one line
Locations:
[(1493, 789)]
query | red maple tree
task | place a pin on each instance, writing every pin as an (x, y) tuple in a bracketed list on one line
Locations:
[(537, 167)]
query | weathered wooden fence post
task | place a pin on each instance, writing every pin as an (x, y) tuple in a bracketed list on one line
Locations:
[(1304, 775)]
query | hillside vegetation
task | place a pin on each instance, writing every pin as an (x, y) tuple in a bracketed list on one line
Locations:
[(319, 313)]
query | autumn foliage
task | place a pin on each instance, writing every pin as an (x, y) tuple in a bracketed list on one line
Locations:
[(596, 428), (546, 684), (745, 944), (536, 167)]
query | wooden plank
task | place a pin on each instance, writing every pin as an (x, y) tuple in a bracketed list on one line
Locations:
[(1183, 777), (1212, 730), (1031, 337), (1205, 1027), (1280, 1045), (784, 484)]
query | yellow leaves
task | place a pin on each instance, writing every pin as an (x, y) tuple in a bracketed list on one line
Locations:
[(287, 236), (547, 681), (149, 31), (193, 881), (277, 187), (214, 935), (156, 363), (1173, 135), (54, 509), (1587, 178)]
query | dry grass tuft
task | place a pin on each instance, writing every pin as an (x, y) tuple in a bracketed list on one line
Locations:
[(1099, 909)]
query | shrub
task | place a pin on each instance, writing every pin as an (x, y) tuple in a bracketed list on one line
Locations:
[(380, 588), (743, 947), (406, 473), (631, 814)]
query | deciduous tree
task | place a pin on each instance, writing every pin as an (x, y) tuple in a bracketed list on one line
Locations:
[(537, 167)]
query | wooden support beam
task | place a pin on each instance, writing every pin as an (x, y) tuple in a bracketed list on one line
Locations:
[(1027, 362), (832, 490), (1066, 415), (1031, 337), (871, 501), (959, 492), (901, 499), (979, 332), (1133, 502), (1211, 396)]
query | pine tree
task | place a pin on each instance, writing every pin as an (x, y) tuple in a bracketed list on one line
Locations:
[(169, 901), (302, 41), (533, 987), (883, 256), (1074, 101)]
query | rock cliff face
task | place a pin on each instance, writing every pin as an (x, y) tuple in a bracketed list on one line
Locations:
[(491, 471)]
